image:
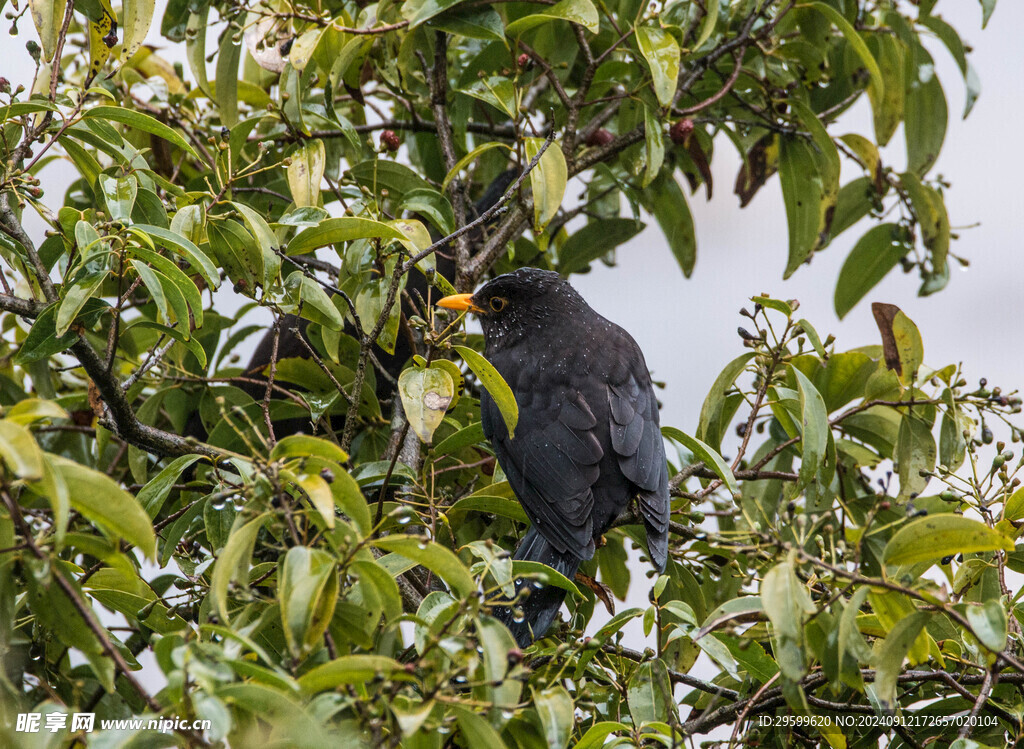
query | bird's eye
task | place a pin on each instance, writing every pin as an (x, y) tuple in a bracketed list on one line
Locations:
[(498, 303)]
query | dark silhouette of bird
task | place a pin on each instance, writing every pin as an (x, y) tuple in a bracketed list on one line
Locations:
[(293, 342), (588, 438)]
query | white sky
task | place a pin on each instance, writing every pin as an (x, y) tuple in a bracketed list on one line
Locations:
[(687, 328)]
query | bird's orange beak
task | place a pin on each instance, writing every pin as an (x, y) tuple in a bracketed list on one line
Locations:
[(460, 302)]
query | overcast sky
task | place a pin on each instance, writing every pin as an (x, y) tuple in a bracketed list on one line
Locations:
[(687, 328)]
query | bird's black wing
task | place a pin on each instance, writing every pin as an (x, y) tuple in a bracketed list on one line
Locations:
[(636, 440), (552, 462)]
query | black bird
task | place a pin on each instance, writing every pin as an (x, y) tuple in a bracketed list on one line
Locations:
[(293, 342), (588, 438)]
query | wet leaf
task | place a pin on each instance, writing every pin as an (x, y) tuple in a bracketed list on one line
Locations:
[(931, 538), (548, 180), (661, 50), (426, 395)]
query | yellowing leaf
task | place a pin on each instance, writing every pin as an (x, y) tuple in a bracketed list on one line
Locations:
[(136, 18), (661, 50), (305, 172), (426, 395), (548, 180), (48, 16)]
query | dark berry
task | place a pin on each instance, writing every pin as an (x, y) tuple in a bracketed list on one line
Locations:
[(600, 137), (389, 140), (680, 132)]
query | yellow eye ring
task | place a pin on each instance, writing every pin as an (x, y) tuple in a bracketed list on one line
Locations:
[(498, 303)]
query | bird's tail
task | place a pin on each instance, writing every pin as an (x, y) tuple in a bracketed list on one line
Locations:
[(541, 606)]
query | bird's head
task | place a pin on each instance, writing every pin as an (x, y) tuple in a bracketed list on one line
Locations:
[(514, 304)]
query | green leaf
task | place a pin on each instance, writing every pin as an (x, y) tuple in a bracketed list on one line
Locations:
[(933, 537), (306, 172), (472, 23), (915, 452), (814, 429), (809, 172), (711, 428), (930, 210), (349, 498), (667, 202), (501, 506), (987, 8), (475, 730), (1014, 508), (370, 306), (225, 87), (707, 24), (153, 495), (853, 649), (42, 340), (151, 281), (545, 574), (426, 395), (195, 48), (876, 88), (661, 50), (233, 562), (469, 435), (649, 693), (190, 343), (889, 108), (31, 410), (888, 661), (418, 11), (434, 557), (555, 708), (320, 495), (909, 346), (495, 385), (874, 255), (786, 603), (312, 302), (335, 230), (136, 18), (596, 735), (201, 263), (140, 121), (433, 206), (266, 240), (988, 622), (308, 591), (119, 195), (582, 12), (304, 445), (548, 180), (74, 300), (926, 114), (99, 498), (348, 669), (654, 146), (19, 451), (379, 174), (595, 240), (173, 275), (469, 158), (703, 452)]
